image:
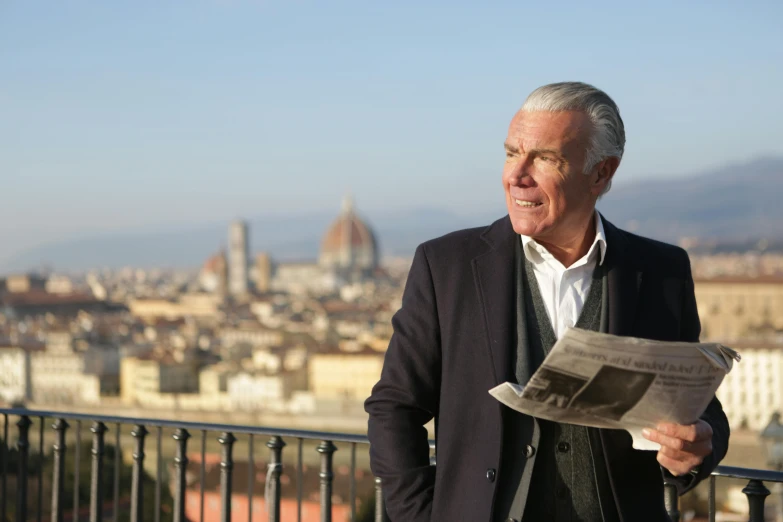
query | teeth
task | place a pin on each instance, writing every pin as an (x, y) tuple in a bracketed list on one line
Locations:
[(528, 204)]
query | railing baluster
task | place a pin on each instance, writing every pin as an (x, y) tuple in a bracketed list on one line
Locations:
[(272, 493), (117, 453), (39, 511), (326, 448), (226, 440), (671, 500), (77, 471), (4, 484), (58, 473), (380, 505), (299, 479), (250, 477), (23, 447), (711, 500), (137, 481), (96, 477), (203, 472), (352, 494), (181, 435), (158, 472), (757, 493)]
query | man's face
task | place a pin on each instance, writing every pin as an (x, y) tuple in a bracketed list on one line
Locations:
[(548, 195)]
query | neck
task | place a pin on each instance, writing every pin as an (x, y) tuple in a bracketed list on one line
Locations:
[(574, 248)]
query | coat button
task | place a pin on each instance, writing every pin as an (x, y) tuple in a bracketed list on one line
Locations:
[(529, 451), (563, 447), (491, 474)]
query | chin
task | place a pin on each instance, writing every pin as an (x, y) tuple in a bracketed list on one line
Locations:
[(524, 227)]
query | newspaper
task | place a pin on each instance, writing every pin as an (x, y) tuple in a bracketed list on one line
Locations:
[(606, 381)]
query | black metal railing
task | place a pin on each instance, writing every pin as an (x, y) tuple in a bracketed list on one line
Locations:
[(327, 445), (755, 491), (103, 508)]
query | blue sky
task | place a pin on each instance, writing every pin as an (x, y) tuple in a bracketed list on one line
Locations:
[(134, 115)]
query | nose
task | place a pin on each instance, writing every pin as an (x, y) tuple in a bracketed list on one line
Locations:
[(518, 172)]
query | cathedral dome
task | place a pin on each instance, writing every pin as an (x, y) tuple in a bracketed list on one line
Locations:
[(213, 274), (349, 243)]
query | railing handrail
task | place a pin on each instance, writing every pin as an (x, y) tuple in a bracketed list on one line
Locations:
[(191, 425), (765, 475), (721, 471)]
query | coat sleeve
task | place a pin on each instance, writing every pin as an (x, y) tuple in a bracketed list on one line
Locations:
[(405, 399), (690, 330)]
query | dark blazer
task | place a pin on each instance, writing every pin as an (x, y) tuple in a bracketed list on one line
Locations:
[(453, 341)]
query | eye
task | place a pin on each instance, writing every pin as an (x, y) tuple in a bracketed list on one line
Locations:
[(552, 160)]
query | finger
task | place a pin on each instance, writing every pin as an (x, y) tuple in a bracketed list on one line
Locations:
[(675, 467), (697, 431), (665, 440), (692, 459)]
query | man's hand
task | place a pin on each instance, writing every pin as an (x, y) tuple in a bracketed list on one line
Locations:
[(683, 447)]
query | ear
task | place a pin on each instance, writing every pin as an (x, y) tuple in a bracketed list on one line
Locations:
[(602, 175)]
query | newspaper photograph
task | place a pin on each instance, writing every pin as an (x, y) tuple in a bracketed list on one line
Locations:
[(608, 381)]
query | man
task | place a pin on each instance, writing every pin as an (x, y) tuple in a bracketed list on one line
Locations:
[(483, 306)]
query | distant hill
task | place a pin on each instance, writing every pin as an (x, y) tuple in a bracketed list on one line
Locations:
[(738, 202), (735, 203)]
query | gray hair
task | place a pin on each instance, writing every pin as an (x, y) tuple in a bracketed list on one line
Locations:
[(608, 136)]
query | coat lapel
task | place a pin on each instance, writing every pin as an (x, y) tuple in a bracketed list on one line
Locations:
[(624, 280), (493, 273)]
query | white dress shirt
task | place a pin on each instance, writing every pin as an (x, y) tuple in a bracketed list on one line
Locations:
[(565, 290)]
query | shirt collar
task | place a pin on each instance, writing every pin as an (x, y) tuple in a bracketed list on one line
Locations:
[(530, 245)]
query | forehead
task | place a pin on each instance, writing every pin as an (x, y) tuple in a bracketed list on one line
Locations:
[(553, 130)]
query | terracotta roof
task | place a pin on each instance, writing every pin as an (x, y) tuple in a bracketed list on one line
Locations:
[(348, 230), (216, 263), (39, 297), (288, 489)]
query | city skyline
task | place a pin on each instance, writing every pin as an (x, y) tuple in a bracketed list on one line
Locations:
[(126, 117), (680, 210)]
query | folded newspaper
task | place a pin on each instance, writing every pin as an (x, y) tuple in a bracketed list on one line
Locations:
[(607, 381)]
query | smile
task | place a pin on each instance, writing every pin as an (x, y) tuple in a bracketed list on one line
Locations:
[(526, 204)]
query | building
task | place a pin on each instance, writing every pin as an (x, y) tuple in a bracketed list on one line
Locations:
[(238, 255), (198, 305), (71, 371), (349, 244), (156, 382), (250, 336), (343, 376), (261, 391), (59, 284), (24, 283), (304, 278), (348, 254), (753, 390), (263, 273), (39, 302), (15, 381), (732, 308)]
